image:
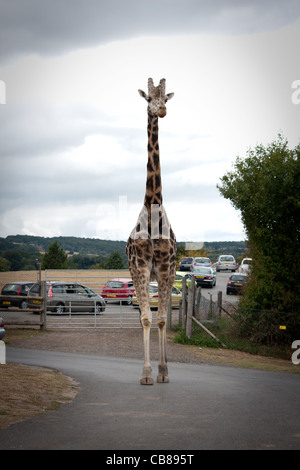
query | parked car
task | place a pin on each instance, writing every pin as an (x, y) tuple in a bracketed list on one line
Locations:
[(15, 289), (178, 279), (204, 276), (176, 296), (236, 284), (2, 329), (245, 266), (119, 289), (202, 262), (186, 263), (62, 295), (226, 262)]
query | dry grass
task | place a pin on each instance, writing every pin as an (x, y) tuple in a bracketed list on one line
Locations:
[(94, 278), (26, 391)]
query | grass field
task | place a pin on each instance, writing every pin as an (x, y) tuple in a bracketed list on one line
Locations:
[(93, 278)]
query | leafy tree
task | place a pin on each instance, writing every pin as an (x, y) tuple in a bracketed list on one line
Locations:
[(265, 187), (114, 261), (4, 264), (55, 258)]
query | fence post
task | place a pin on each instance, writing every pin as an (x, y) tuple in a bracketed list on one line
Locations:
[(197, 302), (219, 302), (169, 315), (43, 315), (183, 309), (190, 308)]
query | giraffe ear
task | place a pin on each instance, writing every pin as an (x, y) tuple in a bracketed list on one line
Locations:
[(143, 94), (169, 96)]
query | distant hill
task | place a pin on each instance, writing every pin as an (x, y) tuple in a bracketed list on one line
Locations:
[(22, 251)]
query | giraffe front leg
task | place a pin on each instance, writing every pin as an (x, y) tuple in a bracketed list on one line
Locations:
[(162, 376), (147, 378)]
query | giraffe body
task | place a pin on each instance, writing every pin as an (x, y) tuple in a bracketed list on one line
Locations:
[(151, 247)]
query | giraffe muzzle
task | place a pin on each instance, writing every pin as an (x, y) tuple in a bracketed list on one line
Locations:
[(162, 112)]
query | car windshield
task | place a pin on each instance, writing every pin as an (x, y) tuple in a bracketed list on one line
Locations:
[(237, 278), (200, 269), (153, 289), (202, 260), (186, 260), (226, 258), (115, 284)]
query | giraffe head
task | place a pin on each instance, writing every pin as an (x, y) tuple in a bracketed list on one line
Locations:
[(156, 98)]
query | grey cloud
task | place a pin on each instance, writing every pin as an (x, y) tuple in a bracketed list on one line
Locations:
[(59, 26)]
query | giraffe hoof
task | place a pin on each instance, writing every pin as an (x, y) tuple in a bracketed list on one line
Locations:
[(146, 380), (162, 379)]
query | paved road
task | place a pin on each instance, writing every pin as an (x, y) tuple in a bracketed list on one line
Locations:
[(203, 407)]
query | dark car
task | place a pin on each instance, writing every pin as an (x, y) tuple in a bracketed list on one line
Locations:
[(15, 289), (236, 284), (204, 276), (61, 296), (186, 263)]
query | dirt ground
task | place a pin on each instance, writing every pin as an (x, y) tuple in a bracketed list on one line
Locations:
[(26, 391)]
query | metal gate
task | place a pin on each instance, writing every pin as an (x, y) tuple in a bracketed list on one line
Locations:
[(117, 313)]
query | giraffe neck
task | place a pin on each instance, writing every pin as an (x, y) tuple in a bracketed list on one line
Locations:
[(153, 186)]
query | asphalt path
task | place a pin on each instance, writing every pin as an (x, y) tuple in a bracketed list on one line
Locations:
[(203, 407)]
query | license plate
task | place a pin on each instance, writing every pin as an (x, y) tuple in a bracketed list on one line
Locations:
[(200, 277), (238, 284), (111, 295), (6, 302), (36, 301)]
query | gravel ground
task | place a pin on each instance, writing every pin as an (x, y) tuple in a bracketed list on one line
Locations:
[(109, 342)]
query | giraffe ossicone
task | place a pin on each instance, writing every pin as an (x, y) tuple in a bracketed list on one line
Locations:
[(151, 247)]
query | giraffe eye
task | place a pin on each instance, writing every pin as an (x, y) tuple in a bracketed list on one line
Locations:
[(149, 99)]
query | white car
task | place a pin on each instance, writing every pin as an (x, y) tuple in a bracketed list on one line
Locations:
[(245, 266), (226, 262)]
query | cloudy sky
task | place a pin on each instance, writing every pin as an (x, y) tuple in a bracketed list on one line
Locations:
[(73, 141)]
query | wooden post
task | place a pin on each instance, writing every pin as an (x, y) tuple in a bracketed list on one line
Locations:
[(44, 309), (219, 302), (183, 310), (197, 302), (169, 315), (190, 309)]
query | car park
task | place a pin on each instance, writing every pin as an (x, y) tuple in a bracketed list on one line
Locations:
[(186, 263), (119, 289), (63, 296), (176, 296), (226, 263), (204, 276), (15, 289), (236, 284), (245, 266), (2, 329)]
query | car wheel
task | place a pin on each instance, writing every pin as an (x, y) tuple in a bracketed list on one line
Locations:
[(59, 308), (23, 304), (98, 309)]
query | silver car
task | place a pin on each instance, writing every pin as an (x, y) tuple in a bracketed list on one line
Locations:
[(226, 262), (63, 296)]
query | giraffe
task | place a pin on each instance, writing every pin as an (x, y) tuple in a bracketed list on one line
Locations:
[(151, 247)]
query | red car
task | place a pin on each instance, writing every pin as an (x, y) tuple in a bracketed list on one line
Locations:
[(119, 289)]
